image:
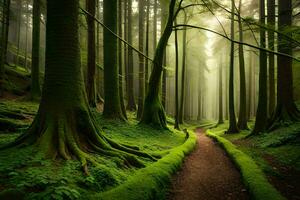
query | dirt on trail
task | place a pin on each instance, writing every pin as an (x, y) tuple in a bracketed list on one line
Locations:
[(207, 174)]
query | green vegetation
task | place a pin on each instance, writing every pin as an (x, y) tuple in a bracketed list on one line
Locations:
[(40, 178)]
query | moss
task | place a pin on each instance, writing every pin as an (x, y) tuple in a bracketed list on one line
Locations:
[(151, 182), (253, 177)]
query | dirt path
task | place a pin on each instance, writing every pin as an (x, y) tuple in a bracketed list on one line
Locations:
[(207, 174)]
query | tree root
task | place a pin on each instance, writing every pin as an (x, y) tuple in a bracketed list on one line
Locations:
[(76, 135)]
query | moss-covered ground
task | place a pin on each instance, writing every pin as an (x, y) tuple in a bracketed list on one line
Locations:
[(276, 153), (24, 171)]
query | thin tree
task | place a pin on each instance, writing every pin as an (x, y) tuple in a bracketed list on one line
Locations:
[(64, 126), (147, 45), (286, 110), (262, 108), (120, 60), (91, 53), (141, 60), (220, 120), (183, 72), (242, 120), (26, 35), (153, 110), (176, 125), (35, 63), (130, 82), (112, 107), (232, 118)]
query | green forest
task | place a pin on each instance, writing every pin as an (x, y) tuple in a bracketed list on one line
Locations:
[(149, 99)]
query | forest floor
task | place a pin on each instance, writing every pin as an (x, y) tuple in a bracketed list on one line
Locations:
[(207, 173)]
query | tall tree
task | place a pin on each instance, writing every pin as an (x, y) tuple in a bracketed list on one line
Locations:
[(220, 120), (64, 126), (232, 118), (286, 110), (26, 35), (242, 120), (130, 82), (141, 59), (91, 53), (261, 113), (176, 125), (147, 45), (4, 41), (153, 110), (120, 60), (271, 37), (112, 106), (164, 16), (183, 72), (35, 63)]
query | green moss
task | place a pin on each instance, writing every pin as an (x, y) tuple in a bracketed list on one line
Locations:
[(151, 182), (253, 177)]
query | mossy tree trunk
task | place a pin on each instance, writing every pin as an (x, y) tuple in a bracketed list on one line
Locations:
[(232, 118), (35, 62), (242, 120), (262, 108), (130, 82), (112, 106), (164, 16), (154, 113), (286, 110), (271, 36), (91, 54), (64, 126), (141, 60)]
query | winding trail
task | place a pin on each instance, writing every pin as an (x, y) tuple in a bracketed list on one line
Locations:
[(207, 174)]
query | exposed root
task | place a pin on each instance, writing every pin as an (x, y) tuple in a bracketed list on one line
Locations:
[(76, 135)]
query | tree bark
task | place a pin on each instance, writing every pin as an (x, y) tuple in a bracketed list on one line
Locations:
[(130, 84), (242, 120), (112, 106), (176, 125), (91, 53), (35, 58), (221, 120), (147, 45), (232, 118), (141, 60), (262, 108), (271, 22)]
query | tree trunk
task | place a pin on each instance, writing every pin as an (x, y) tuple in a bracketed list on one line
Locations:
[(147, 46), (130, 85), (35, 58), (26, 34), (120, 53), (183, 74), (91, 54), (242, 120), (64, 126), (4, 42), (154, 113), (271, 22), (286, 110), (262, 108), (141, 60), (176, 125), (19, 32), (164, 17), (112, 106), (232, 119), (220, 121)]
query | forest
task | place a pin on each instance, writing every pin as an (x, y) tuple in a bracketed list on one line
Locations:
[(150, 99)]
